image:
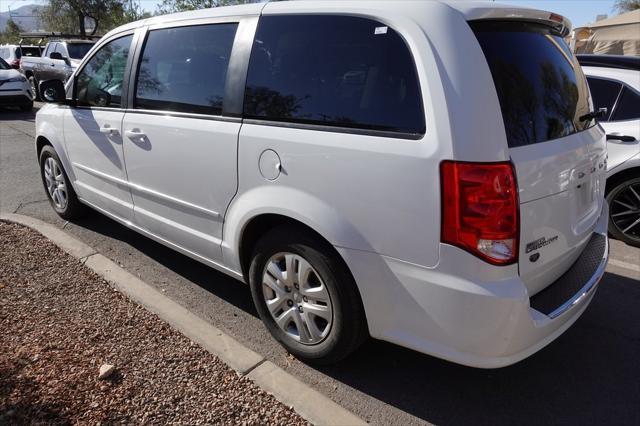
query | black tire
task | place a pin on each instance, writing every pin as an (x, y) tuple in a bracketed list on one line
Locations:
[(348, 329), (27, 107), (73, 208), (624, 195), (34, 87)]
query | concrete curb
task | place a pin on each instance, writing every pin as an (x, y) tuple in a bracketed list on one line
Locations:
[(309, 403)]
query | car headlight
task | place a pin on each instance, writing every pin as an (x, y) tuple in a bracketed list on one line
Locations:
[(19, 79)]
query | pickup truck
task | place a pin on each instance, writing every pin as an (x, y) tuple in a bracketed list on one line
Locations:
[(58, 61)]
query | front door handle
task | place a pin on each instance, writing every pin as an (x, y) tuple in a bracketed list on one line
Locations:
[(134, 133), (108, 130), (620, 137)]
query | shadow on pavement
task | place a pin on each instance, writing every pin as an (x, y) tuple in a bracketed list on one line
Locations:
[(223, 286), (10, 113), (590, 375)]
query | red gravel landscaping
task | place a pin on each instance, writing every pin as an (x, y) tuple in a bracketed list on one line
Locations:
[(60, 322)]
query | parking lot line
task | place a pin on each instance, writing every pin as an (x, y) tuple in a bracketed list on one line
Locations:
[(624, 265)]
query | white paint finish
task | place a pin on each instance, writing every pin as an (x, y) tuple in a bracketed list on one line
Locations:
[(561, 186), (383, 191), (98, 158), (620, 152), (182, 174), (376, 199)]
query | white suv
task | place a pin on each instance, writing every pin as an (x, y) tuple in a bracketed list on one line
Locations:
[(426, 173), (615, 85)]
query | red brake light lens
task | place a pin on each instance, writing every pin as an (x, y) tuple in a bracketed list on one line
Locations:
[(480, 211)]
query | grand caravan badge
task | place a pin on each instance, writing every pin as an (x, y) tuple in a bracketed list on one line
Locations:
[(540, 242)]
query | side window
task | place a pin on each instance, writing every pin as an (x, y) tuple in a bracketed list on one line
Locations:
[(604, 94), (184, 69), (61, 49), (333, 70), (628, 106), (50, 48), (100, 81)]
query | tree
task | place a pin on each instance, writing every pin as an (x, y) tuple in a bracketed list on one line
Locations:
[(75, 16), (623, 6), (11, 33), (171, 6)]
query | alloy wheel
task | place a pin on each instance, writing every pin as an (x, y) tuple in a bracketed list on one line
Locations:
[(55, 182), (625, 211), (297, 298)]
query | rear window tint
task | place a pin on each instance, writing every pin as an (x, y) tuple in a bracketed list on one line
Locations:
[(604, 94), (331, 70), (542, 91), (628, 106)]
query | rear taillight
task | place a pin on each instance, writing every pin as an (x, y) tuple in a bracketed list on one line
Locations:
[(15, 63), (480, 209)]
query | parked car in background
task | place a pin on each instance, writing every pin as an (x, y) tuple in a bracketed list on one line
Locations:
[(15, 90), (12, 53), (615, 84), (58, 61), (427, 173)]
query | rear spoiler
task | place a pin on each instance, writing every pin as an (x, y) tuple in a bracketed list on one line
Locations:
[(483, 13)]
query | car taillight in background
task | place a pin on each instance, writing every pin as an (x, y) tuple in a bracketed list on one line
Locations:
[(480, 211), (15, 64)]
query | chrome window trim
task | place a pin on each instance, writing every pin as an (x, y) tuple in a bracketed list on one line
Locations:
[(336, 129), (183, 115)]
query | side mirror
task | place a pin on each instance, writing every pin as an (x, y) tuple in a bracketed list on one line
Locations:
[(58, 56), (52, 91)]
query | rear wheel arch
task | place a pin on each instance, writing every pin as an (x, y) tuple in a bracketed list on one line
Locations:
[(620, 177), (258, 226)]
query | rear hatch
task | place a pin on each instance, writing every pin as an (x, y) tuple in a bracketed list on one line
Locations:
[(558, 152)]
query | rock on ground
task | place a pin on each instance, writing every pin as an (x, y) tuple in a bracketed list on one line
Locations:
[(60, 322)]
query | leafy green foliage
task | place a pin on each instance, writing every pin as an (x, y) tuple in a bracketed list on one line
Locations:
[(89, 16), (11, 34), (171, 6), (623, 6)]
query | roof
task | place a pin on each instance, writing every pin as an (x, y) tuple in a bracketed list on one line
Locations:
[(623, 19), (610, 61), (471, 10)]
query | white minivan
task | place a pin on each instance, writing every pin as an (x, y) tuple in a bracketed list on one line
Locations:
[(426, 173)]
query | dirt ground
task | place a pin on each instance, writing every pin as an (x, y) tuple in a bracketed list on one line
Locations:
[(60, 322)]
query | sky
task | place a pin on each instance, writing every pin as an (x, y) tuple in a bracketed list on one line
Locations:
[(580, 12)]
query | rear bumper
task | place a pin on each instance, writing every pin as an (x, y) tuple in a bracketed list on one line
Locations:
[(471, 314)]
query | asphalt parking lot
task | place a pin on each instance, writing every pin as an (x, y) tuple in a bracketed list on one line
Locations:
[(587, 376)]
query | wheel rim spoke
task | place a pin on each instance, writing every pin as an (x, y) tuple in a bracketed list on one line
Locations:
[(627, 219), (297, 298)]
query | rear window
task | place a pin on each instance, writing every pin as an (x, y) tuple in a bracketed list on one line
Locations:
[(30, 51), (542, 91), (78, 50)]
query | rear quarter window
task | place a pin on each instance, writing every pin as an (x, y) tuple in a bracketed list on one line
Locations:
[(338, 71), (604, 94), (628, 107), (541, 88)]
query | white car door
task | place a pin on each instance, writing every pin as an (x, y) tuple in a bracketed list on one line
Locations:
[(181, 152), (92, 130), (622, 122)]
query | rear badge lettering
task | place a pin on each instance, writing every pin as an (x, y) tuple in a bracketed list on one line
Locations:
[(540, 242)]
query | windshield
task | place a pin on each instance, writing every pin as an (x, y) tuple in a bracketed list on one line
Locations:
[(78, 50), (542, 91), (4, 65)]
